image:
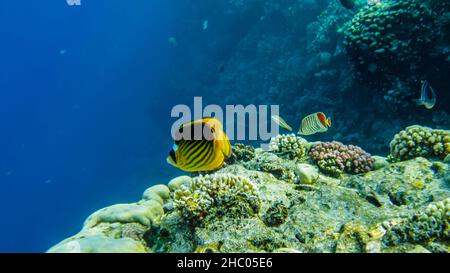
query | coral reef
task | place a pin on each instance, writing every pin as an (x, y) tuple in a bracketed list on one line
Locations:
[(217, 195), (290, 146), (292, 53), (430, 223), (335, 158), (119, 228), (241, 152), (417, 141), (321, 32), (252, 206), (392, 46)]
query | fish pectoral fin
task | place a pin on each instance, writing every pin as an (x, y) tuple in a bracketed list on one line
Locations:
[(170, 161), (418, 101)]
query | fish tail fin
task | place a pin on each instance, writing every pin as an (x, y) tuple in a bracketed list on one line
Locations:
[(329, 122)]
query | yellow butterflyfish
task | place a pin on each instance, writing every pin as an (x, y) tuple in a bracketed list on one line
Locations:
[(204, 152)]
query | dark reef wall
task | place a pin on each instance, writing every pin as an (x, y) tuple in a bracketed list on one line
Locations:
[(362, 67)]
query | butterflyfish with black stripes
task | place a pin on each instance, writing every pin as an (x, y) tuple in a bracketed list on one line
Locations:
[(200, 145)]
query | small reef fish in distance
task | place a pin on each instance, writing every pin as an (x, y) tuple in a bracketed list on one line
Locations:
[(281, 122), (427, 96), (349, 4), (205, 24), (172, 41), (200, 145), (314, 123)]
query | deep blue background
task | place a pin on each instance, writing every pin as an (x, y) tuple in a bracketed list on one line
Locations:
[(84, 113)]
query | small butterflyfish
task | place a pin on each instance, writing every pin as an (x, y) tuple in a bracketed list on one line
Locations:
[(314, 123)]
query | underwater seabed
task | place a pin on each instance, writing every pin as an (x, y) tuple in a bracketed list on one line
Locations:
[(296, 197)]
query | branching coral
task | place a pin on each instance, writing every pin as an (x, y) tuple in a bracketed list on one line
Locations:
[(218, 194), (291, 146), (335, 158), (417, 141)]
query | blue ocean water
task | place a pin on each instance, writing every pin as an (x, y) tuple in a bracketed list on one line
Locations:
[(83, 112), (86, 92)]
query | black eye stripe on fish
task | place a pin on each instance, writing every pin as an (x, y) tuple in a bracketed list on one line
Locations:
[(196, 132)]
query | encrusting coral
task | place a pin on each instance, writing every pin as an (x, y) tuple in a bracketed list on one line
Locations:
[(217, 194), (335, 158), (417, 141), (290, 146)]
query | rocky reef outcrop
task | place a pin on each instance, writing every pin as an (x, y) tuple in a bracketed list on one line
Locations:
[(394, 45), (273, 202)]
